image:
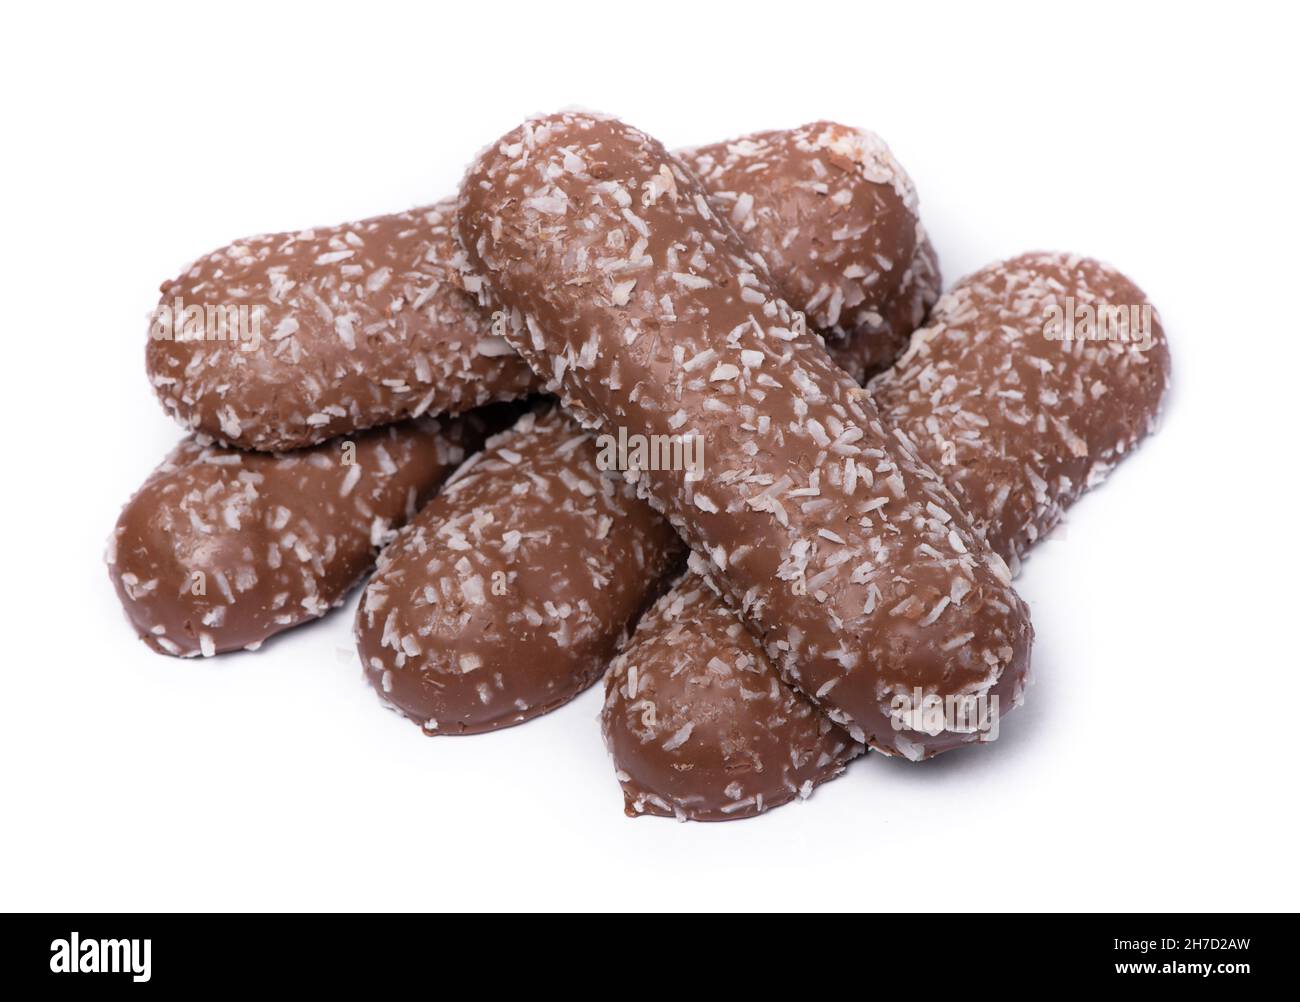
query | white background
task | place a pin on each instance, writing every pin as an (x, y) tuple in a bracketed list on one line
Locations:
[(1154, 766)]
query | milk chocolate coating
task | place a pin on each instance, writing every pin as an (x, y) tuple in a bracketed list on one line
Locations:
[(700, 725), (1018, 424), (836, 246), (847, 556), (981, 392), (221, 549), (372, 322), (876, 341), (765, 750), (360, 325), (511, 590), (604, 555), (520, 671)]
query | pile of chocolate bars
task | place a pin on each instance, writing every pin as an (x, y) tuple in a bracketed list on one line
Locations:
[(696, 422)]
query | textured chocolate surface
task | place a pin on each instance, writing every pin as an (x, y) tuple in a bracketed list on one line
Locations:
[(358, 325), (520, 669), (719, 751), (847, 556), (875, 342), (838, 248), (1001, 429), (570, 557), (1019, 424), (699, 723), (371, 322), (511, 590), (221, 549)]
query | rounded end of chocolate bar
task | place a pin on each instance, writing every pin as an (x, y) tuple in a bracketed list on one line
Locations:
[(699, 724), (1066, 362), (834, 216), (454, 667), (221, 549), (286, 340), (949, 682), (508, 594), (162, 567)]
